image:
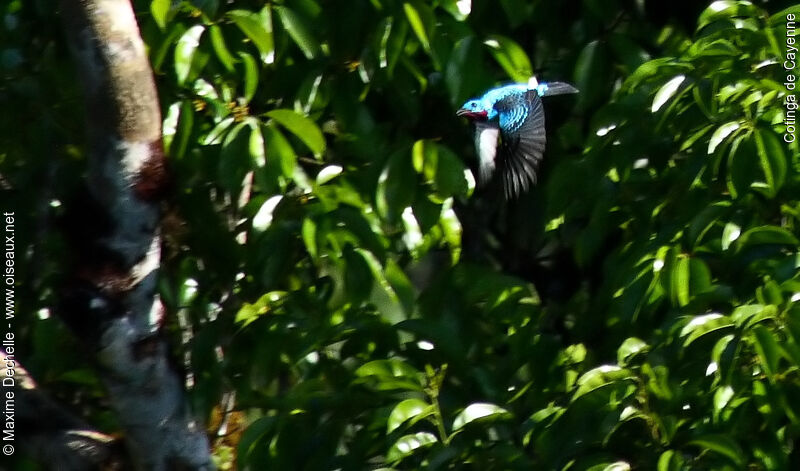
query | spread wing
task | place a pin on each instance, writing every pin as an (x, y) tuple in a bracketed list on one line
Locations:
[(556, 88), (522, 140)]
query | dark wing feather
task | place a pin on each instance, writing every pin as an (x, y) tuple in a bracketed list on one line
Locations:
[(559, 88), (522, 140)]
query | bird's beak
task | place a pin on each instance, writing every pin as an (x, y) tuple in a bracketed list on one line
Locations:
[(470, 114)]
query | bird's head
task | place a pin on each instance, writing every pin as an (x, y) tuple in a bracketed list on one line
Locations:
[(474, 109)]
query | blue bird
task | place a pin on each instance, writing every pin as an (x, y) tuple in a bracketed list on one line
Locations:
[(511, 118)]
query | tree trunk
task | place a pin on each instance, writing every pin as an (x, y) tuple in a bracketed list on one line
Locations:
[(110, 300)]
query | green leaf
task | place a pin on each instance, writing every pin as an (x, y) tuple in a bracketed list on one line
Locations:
[(726, 9), (730, 233), (250, 76), (720, 134), (617, 466), (391, 374), (670, 460), (705, 220), (630, 347), (702, 325), (511, 57), (234, 162), (394, 44), (263, 218), (460, 9), (264, 305), (328, 173), (408, 444), (254, 432), (478, 410), (424, 156), (302, 127), (750, 314), (451, 227), (742, 166), (177, 129), (722, 396), (299, 31), (699, 276), (599, 377), (217, 134), (160, 10), (450, 174), (772, 159), (679, 275), (766, 235), (221, 50), (309, 234), (377, 270), (185, 53), (256, 143), (666, 92), (401, 285), (396, 187), (421, 20), (279, 150), (592, 72), (767, 348), (722, 444), (416, 409), (258, 28)]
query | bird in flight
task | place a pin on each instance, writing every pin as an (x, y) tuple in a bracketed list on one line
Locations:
[(509, 131)]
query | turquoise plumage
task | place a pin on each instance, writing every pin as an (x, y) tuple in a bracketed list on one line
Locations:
[(510, 132)]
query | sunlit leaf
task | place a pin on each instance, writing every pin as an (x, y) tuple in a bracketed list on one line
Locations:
[(328, 173), (722, 444), (730, 233), (408, 444), (160, 10), (601, 376), (511, 57), (278, 148), (460, 9), (258, 28), (630, 347), (185, 52), (300, 32), (766, 235), (720, 134), (702, 325), (747, 315), (220, 49), (767, 348), (302, 127), (725, 9), (256, 143), (264, 216), (670, 460), (391, 374), (772, 159), (250, 76), (478, 410), (666, 92), (407, 410), (420, 19)]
